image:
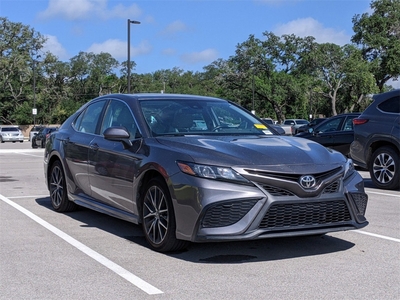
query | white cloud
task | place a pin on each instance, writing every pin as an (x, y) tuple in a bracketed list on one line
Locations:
[(53, 46), (174, 27), (118, 48), (204, 56), (169, 52), (311, 27), (86, 9)]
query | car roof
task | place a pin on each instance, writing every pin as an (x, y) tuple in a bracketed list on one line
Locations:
[(383, 96), (159, 96)]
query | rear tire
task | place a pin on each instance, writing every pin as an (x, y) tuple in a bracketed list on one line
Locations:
[(384, 168), (158, 219), (58, 189)]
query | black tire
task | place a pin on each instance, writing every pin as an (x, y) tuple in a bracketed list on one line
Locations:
[(33, 144), (158, 219), (58, 189), (42, 144), (1, 139), (384, 168)]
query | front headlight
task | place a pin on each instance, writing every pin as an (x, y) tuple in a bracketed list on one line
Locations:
[(212, 172), (348, 168)]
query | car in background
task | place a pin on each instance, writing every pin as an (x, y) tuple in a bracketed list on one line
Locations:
[(141, 158), (305, 127), (268, 121), (335, 132), (34, 130), (11, 134), (289, 125), (271, 124), (376, 144), (39, 139)]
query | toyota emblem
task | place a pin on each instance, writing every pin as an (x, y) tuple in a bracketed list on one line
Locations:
[(307, 181)]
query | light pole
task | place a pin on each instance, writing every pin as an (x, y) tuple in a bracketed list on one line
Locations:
[(129, 53), (34, 110)]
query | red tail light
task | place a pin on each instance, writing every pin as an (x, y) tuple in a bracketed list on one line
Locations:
[(47, 135), (359, 121)]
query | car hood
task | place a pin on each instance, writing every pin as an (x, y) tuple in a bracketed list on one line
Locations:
[(273, 153)]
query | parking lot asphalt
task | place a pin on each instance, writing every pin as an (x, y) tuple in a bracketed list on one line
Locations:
[(88, 255)]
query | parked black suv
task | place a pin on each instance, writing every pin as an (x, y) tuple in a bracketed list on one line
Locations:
[(376, 144)]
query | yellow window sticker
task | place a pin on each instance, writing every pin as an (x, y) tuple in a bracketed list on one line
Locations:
[(260, 126)]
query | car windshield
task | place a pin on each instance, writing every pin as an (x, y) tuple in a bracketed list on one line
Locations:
[(183, 117), (10, 129)]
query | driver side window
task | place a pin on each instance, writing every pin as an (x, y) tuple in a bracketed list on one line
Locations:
[(119, 114)]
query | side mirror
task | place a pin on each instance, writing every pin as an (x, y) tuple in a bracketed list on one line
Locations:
[(118, 134)]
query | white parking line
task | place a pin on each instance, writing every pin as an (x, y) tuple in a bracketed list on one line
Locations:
[(383, 194), (20, 150), (378, 236), (138, 282)]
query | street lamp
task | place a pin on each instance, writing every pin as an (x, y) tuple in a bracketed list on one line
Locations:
[(34, 110), (129, 52)]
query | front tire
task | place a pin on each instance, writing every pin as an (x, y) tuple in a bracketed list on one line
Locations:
[(158, 219), (58, 189), (384, 168)]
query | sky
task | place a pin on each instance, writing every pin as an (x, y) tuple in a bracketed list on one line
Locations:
[(187, 34)]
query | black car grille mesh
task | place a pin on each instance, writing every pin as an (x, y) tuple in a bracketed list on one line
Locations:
[(289, 215), (227, 213), (332, 188), (361, 201), (276, 191)]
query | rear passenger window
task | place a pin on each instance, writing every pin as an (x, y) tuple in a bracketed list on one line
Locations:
[(88, 119), (391, 105)]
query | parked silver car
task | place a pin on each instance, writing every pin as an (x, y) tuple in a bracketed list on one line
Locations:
[(11, 134), (142, 158)]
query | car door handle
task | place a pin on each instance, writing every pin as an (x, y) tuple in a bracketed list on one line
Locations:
[(94, 147), (65, 141)]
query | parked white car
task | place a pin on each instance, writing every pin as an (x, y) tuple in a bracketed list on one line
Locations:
[(11, 134)]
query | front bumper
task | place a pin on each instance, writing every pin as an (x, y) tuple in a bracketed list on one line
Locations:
[(232, 212)]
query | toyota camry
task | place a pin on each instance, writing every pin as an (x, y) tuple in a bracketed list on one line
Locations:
[(195, 169)]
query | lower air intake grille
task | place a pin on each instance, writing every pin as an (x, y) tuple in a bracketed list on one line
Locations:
[(361, 201), (291, 215), (227, 213)]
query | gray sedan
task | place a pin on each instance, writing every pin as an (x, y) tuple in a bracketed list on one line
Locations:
[(144, 158)]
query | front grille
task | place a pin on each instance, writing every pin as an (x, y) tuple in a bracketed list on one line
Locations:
[(228, 213), (332, 188), (290, 215), (295, 177), (276, 191)]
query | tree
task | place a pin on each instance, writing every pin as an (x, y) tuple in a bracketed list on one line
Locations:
[(378, 34), (19, 46)]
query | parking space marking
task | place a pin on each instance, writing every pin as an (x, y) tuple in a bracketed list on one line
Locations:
[(378, 236), (4, 151), (30, 196), (383, 194), (138, 282)]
